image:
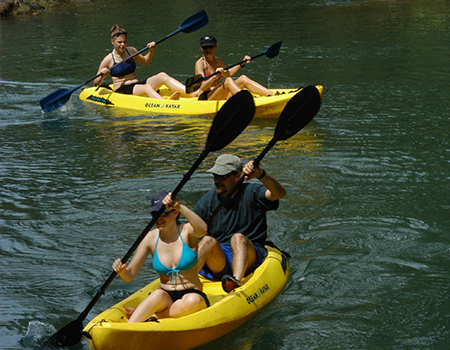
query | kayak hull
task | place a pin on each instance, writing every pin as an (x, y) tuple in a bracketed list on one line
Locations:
[(110, 330), (266, 106)]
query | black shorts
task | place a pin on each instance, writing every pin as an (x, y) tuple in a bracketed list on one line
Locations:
[(204, 95), (128, 89), (178, 294)]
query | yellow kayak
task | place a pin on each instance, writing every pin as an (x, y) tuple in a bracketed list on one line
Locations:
[(110, 330), (266, 106)]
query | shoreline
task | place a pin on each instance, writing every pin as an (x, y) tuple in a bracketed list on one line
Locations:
[(19, 7)]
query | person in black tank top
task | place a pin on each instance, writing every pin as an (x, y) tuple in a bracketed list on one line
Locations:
[(124, 76)]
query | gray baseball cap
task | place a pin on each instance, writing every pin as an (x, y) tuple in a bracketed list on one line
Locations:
[(225, 164)]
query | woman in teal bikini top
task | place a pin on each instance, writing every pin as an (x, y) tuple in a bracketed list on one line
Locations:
[(187, 261), (180, 290)]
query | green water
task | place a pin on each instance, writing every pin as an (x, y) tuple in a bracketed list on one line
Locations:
[(367, 212)]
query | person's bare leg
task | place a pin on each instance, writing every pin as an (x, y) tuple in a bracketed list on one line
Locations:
[(244, 255), (210, 253), (146, 90), (245, 82), (227, 89), (158, 301)]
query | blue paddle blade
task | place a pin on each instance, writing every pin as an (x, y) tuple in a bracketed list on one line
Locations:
[(273, 50), (195, 22), (55, 99)]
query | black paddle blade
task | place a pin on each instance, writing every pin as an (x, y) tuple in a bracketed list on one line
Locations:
[(193, 83), (67, 336), (195, 22), (274, 50), (231, 120), (299, 111)]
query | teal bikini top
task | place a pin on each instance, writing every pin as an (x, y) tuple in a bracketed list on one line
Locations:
[(187, 261)]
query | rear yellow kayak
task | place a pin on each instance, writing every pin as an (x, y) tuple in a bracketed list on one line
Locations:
[(110, 330), (266, 106)]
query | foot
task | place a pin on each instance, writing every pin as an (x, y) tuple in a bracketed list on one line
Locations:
[(175, 96), (229, 283), (129, 311)]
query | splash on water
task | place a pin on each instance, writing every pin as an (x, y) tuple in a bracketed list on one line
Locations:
[(37, 333)]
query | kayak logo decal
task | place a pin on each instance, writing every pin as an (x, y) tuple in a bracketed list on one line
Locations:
[(102, 100), (258, 294), (163, 105)]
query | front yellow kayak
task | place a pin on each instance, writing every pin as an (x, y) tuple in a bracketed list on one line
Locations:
[(266, 106), (110, 330)]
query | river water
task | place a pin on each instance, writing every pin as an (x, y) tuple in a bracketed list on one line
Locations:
[(366, 218)]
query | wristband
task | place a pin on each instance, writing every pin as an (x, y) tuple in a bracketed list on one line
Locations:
[(262, 175)]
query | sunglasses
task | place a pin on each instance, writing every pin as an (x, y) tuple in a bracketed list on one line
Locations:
[(208, 47), (224, 177)]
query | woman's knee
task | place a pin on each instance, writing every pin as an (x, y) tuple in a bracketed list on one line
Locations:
[(194, 302), (228, 82), (242, 81)]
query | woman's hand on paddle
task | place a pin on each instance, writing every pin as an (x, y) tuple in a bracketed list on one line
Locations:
[(151, 45), (247, 59), (171, 203), (118, 267), (105, 71)]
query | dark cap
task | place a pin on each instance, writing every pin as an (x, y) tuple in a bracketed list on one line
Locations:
[(157, 202), (208, 40)]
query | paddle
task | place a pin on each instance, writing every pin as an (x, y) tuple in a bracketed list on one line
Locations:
[(194, 83), (229, 122), (61, 96), (297, 113)]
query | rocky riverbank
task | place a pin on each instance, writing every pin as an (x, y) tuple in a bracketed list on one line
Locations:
[(19, 7)]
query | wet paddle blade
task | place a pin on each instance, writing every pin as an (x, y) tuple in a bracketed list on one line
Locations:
[(231, 120), (299, 111), (55, 100), (67, 336)]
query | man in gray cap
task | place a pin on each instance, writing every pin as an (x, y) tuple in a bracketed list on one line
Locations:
[(234, 246)]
